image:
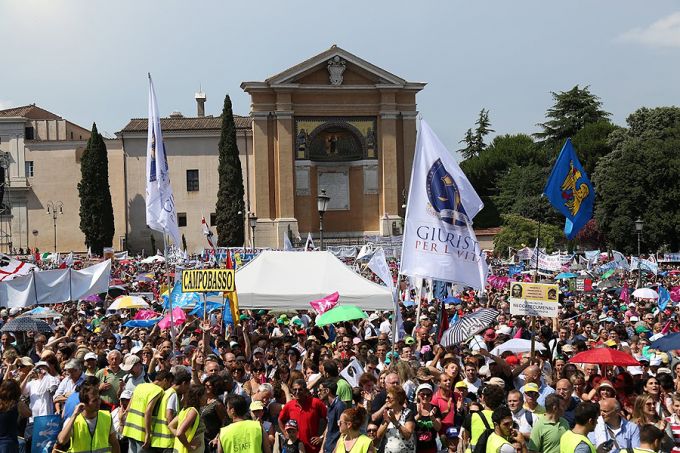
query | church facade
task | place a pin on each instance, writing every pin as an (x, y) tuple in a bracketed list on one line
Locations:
[(333, 123)]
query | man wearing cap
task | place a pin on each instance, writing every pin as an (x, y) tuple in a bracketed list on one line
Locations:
[(532, 374), (90, 360), (134, 368), (138, 426), (370, 331), (610, 425), (68, 385), (110, 378)]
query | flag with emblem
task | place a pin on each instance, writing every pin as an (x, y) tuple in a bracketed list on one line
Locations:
[(439, 241), (569, 191), (160, 202)]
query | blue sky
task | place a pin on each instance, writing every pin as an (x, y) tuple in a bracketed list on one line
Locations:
[(87, 60)]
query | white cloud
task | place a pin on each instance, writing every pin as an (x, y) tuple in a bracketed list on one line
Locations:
[(5, 104), (665, 32)]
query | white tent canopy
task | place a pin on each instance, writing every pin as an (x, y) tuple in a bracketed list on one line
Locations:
[(291, 280)]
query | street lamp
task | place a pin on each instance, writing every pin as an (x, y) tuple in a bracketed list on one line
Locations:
[(252, 221), (638, 229), (322, 204), (54, 208)]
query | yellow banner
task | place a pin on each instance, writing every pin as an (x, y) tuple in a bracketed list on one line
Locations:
[(534, 299), (208, 280)]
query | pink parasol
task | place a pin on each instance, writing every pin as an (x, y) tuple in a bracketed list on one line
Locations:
[(178, 317)]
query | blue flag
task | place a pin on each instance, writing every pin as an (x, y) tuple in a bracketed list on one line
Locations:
[(664, 298), (569, 190)]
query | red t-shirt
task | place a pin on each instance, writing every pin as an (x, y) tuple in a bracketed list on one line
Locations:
[(443, 404), (308, 416)]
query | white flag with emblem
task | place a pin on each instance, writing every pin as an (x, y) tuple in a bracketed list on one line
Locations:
[(160, 203), (439, 241)]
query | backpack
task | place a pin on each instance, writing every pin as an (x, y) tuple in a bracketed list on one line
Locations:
[(480, 446)]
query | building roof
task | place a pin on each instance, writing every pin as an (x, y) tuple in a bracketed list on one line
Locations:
[(187, 123), (488, 231), (30, 111)]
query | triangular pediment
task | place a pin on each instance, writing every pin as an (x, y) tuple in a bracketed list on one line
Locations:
[(314, 71)]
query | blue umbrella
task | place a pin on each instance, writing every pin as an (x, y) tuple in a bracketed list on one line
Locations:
[(452, 300), (667, 343), (408, 303), (565, 275)]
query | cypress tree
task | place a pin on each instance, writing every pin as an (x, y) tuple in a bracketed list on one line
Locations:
[(230, 208), (96, 209)]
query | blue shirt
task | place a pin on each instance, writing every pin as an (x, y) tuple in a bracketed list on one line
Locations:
[(335, 410), (628, 435)]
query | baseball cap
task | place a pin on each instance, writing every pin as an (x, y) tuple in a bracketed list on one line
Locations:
[(461, 385), (530, 387), (258, 350), (135, 350), (451, 432), (422, 387), (291, 424), (90, 356), (42, 363), (489, 335), (126, 395), (499, 382), (129, 362), (256, 406), (356, 340), (409, 340), (73, 364)]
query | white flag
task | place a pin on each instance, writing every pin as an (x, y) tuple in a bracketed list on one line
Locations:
[(208, 234), (287, 246), (309, 245), (11, 268), (620, 261), (378, 264), (439, 241), (160, 203)]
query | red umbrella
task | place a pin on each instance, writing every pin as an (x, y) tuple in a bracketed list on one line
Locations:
[(605, 356)]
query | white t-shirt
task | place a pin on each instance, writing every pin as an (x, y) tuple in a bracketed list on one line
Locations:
[(40, 393)]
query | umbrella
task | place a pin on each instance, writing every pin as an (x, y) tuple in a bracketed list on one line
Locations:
[(645, 293), (608, 274), (452, 300), (408, 303), (339, 314), (144, 278), (517, 345), (93, 298), (115, 291), (128, 302), (26, 324), (668, 342), (468, 326), (605, 356), (178, 317), (565, 275), (43, 313)]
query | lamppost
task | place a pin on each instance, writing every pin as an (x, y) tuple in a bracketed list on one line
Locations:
[(252, 221), (54, 208), (638, 229), (322, 204)]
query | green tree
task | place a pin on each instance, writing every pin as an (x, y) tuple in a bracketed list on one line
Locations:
[(474, 142), (520, 193), (572, 111), (230, 208), (96, 209), (486, 170), (592, 143), (641, 178), (518, 232)]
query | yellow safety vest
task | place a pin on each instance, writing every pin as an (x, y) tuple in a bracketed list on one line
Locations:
[(477, 427), (178, 447), (362, 445), (83, 441), (494, 443), (244, 436), (161, 437), (570, 441), (134, 421)]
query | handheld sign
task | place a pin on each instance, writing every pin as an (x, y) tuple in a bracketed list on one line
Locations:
[(534, 299), (208, 280)]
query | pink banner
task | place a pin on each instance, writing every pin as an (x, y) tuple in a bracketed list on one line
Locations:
[(321, 306), (675, 294), (146, 314)]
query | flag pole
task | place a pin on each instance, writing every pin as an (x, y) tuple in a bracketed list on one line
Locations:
[(533, 318), (167, 280)]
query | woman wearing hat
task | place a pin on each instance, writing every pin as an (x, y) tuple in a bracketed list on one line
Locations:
[(428, 420)]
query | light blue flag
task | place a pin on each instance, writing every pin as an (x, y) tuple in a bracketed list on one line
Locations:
[(569, 190), (454, 319), (664, 298), (180, 299)]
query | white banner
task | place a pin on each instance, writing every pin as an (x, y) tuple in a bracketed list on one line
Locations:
[(55, 286), (546, 262), (11, 268), (439, 241)]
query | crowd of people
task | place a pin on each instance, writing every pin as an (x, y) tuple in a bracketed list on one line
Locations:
[(276, 382)]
